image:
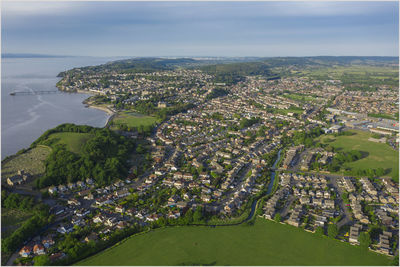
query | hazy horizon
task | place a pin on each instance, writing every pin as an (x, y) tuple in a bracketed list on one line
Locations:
[(201, 29)]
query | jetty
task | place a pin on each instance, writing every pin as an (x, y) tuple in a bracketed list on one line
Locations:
[(34, 92)]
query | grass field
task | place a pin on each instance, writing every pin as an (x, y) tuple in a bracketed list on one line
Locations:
[(12, 219), (132, 119), (302, 98), (336, 72), (265, 243), (31, 161), (379, 155), (73, 141)]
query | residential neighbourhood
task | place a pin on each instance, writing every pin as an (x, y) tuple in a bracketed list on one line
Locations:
[(223, 153)]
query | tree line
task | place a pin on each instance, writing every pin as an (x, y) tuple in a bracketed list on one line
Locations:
[(103, 157)]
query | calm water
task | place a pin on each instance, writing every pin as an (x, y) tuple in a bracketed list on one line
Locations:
[(25, 117)]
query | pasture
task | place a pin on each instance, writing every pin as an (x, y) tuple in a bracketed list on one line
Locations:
[(378, 155), (264, 243), (73, 141)]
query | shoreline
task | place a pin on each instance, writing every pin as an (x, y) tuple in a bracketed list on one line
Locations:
[(107, 110)]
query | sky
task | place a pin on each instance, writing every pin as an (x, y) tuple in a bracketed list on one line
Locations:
[(234, 29)]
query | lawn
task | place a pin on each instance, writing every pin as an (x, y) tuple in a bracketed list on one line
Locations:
[(265, 243), (378, 155), (12, 219), (31, 161), (132, 119), (73, 141)]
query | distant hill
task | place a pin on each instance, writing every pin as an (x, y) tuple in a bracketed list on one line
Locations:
[(27, 55), (233, 70)]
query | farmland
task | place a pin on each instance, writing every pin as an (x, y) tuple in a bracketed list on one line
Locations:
[(264, 243), (378, 155), (354, 73)]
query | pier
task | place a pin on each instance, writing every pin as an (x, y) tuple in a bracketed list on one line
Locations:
[(34, 92)]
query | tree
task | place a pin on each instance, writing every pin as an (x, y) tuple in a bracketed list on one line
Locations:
[(319, 231), (278, 217), (42, 260), (332, 230), (198, 215), (364, 239)]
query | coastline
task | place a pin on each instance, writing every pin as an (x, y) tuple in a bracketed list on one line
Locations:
[(110, 112)]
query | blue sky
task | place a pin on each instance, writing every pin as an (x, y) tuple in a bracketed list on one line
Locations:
[(201, 28)]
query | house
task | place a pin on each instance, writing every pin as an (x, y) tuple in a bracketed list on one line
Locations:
[(91, 237), (354, 233), (122, 224), (89, 181), (48, 241), (15, 180), (119, 208), (228, 208), (66, 228), (98, 219), (174, 214), (73, 202), (58, 210), (329, 203), (187, 176), (25, 251), (81, 184), (304, 200), (62, 188), (90, 196), (122, 193), (81, 212), (102, 201), (178, 175), (38, 249), (317, 202), (52, 190), (71, 186), (205, 198), (84, 193), (111, 221), (153, 217), (181, 204), (131, 212)]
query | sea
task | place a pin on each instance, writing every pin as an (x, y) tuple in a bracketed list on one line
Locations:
[(25, 117)]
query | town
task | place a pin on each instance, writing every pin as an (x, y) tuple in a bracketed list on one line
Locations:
[(221, 152)]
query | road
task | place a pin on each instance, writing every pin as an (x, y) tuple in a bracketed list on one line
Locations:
[(288, 203), (347, 215), (15, 255)]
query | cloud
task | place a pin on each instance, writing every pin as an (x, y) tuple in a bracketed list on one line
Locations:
[(34, 8)]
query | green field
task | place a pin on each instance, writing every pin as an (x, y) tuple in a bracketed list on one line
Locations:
[(379, 155), (132, 119), (12, 219), (302, 98), (265, 243), (31, 161), (73, 141), (354, 73)]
